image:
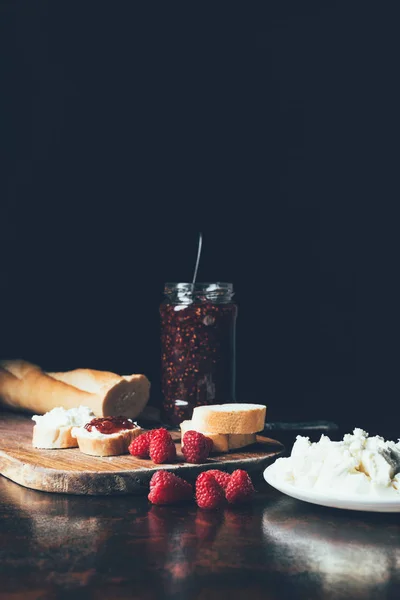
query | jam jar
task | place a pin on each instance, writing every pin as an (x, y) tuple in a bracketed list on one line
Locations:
[(198, 323)]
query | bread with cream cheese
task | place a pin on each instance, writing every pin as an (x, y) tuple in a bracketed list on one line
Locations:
[(54, 429), (53, 438)]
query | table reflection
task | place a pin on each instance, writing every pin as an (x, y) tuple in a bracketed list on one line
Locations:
[(335, 545)]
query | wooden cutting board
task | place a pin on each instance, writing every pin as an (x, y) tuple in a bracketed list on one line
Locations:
[(69, 471)]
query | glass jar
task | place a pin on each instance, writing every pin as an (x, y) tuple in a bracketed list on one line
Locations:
[(198, 325)]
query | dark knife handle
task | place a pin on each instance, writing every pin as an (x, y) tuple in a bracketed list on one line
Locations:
[(301, 426)]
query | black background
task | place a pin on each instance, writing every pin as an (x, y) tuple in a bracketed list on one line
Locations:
[(130, 127)]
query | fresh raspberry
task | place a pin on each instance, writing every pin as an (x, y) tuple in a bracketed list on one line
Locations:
[(157, 478), (140, 446), (221, 476), (195, 447), (162, 448), (209, 493), (240, 488), (167, 488)]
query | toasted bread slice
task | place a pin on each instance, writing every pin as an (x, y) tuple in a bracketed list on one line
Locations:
[(229, 418), (223, 442)]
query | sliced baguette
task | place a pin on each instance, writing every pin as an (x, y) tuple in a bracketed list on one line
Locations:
[(54, 428), (223, 442), (53, 437), (229, 418), (113, 444)]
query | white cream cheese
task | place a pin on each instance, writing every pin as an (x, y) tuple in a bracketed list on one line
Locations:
[(62, 417), (358, 464)]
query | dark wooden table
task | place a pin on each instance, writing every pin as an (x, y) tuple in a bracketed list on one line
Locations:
[(58, 546)]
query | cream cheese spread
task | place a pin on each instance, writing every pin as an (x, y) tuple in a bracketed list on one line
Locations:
[(358, 464), (62, 417)]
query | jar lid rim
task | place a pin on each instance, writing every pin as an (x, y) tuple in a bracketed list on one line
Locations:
[(199, 286)]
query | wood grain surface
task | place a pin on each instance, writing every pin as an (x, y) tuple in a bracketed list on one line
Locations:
[(70, 471)]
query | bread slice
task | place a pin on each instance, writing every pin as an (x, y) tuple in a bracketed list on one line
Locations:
[(53, 438), (100, 444), (223, 442), (54, 429), (229, 418)]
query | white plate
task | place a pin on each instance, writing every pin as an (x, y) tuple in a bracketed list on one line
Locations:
[(335, 501)]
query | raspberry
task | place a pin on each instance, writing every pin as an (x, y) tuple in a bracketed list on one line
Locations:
[(209, 493), (167, 488), (140, 446), (195, 447), (221, 476), (240, 488), (162, 448)]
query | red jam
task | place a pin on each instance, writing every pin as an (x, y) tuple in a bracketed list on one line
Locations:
[(110, 425), (198, 356)]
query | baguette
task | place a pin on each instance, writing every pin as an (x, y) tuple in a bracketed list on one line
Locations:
[(24, 386), (229, 418), (222, 442), (99, 444)]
